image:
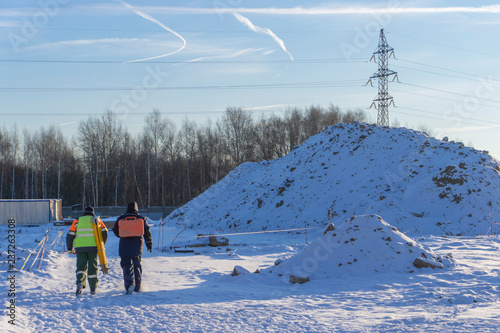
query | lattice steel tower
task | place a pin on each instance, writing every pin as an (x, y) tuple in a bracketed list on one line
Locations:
[(383, 99)]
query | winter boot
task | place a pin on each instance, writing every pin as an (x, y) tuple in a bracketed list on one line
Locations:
[(79, 288), (130, 289)]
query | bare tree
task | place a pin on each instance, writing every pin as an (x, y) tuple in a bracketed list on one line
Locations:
[(294, 123), (28, 160), (5, 155), (213, 153), (312, 120), (332, 116), (15, 147), (187, 141), (129, 163), (262, 136), (158, 131), (51, 154), (354, 115), (237, 130), (100, 142), (43, 140), (202, 137), (170, 154), (270, 136)]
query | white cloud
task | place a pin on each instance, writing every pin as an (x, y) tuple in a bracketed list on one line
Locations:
[(119, 44)]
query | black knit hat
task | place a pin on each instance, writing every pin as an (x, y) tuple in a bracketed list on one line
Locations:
[(132, 207), (89, 209)]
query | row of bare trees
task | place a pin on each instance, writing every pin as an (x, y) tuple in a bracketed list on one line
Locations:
[(104, 165)]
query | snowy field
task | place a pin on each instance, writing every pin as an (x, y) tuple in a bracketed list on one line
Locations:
[(195, 292)]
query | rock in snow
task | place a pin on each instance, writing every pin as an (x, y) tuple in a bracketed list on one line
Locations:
[(421, 184), (364, 245), (237, 270)]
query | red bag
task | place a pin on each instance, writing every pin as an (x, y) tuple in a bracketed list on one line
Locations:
[(131, 226)]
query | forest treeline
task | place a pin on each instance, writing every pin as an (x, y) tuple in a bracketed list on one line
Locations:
[(104, 165)]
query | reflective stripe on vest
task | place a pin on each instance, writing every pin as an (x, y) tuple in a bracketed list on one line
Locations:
[(84, 232)]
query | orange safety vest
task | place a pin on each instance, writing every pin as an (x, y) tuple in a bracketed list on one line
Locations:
[(131, 226)]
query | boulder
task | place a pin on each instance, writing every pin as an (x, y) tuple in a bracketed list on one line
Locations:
[(237, 270), (422, 263), (330, 227)]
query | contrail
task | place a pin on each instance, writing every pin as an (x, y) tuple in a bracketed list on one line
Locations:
[(227, 56), (261, 30), (152, 19)]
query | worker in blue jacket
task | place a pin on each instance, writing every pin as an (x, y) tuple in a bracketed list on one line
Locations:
[(131, 228)]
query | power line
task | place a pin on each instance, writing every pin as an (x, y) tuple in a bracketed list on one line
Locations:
[(185, 31), (462, 121), (445, 91), (447, 99), (141, 113), (440, 114), (445, 45), (320, 84), (442, 74), (436, 67), (476, 77), (80, 114), (296, 61)]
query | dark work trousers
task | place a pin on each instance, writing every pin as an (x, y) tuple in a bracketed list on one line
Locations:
[(86, 260), (132, 272)]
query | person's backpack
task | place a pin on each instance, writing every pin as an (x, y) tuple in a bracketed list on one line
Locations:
[(131, 226)]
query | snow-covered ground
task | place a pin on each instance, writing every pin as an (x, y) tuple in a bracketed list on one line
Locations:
[(362, 275), (196, 292)]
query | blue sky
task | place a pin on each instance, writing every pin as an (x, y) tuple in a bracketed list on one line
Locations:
[(62, 60)]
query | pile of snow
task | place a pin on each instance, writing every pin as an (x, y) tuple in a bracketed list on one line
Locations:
[(364, 245), (421, 184)]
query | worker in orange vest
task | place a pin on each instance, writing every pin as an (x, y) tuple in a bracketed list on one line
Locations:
[(81, 236)]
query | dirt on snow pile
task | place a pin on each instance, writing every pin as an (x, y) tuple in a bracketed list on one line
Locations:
[(421, 184), (363, 245)]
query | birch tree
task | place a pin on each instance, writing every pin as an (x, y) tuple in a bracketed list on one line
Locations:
[(237, 130)]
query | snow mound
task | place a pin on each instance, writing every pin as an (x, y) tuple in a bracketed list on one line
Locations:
[(423, 185), (364, 245)]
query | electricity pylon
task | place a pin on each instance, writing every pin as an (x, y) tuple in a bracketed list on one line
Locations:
[(383, 99)]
